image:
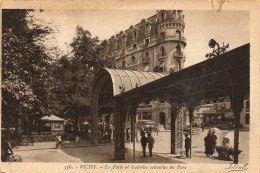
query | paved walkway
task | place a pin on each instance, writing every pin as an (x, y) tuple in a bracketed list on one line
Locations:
[(81, 152), (85, 152), (162, 147)]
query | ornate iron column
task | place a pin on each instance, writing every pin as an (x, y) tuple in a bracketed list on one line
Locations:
[(174, 106), (237, 106), (191, 109), (119, 122), (132, 110)]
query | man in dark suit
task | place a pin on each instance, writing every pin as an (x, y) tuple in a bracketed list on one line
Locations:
[(187, 145)]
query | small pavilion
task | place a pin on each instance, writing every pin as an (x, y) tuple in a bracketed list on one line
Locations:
[(56, 124)]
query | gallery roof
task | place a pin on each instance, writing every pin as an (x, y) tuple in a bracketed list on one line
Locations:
[(125, 80)]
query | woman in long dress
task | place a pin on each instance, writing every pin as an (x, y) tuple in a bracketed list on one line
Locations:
[(209, 145)]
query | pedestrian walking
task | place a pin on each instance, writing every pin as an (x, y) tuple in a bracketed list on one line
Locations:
[(187, 145), (209, 145), (142, 132), (214, 140), (150, 129), (109, 134), (202, 126), (230, 126), (127, 135), (144, 143), (150, 144), (106, 136), (58, 141), (99, 136)]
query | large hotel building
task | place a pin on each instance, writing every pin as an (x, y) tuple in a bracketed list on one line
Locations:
[(155, 44)]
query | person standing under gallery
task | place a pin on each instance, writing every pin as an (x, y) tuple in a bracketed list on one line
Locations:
[(202, 126), (144, 143), (214, 140), (142, 133), (127, 135), (187, 145), (150, 144), (209, 145)]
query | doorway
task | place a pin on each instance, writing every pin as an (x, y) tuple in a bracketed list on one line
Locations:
[(162, 119)]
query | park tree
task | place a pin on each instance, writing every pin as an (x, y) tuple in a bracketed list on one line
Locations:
[(70, 90), (73, 76), (87, 49), (217, 49), (25, 70)]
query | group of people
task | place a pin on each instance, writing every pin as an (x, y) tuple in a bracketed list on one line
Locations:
[(210, 143), (105, 135), (147, 140)]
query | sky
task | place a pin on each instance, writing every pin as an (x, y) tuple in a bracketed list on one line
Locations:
[(200, 26)]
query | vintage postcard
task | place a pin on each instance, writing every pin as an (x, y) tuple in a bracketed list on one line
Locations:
[(124, 86)]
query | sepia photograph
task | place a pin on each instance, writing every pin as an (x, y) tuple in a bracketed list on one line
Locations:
[(165, 87)]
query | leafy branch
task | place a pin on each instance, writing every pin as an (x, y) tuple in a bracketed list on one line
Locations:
[(217, 49)]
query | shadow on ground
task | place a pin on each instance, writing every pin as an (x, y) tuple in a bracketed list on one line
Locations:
[(105, 154)]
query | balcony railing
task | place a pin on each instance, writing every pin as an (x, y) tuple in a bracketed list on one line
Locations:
[(146, 60), (133, 63), (178, 54), (160, 56), (182, 39)]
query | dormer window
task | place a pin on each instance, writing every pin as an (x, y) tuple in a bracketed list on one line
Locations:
[(161, 67), (135, 34), (123, 52), (148, 27), (163, 16), (146, 42), (133, 59), (134, 46), (123, 64), (178, 49), (147, 55), (124, 39), (162, 51), (174, 13), (162, 36), (115, 44), (178, 33)]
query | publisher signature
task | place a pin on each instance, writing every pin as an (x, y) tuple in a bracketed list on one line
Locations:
[(236, 167)]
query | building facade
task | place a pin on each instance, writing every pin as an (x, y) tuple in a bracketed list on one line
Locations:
[(221, 116), (155, 44)]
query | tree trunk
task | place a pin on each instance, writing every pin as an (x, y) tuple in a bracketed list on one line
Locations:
[(16, 123), (25, 126), (39, 127), (30, 128), (76, 121)]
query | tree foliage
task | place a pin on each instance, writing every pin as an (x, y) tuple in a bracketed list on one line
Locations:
[(87, 49), (33, 84), (73, 76), (217, 50), (25, 66)]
